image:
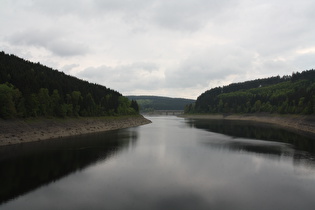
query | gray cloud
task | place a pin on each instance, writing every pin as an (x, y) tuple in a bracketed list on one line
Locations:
[(31, 37), (60, 8), (67, 48), (306, 60), (125, 77), (67, 68), (188, 15), (210, 64), (50, 40), (173, 47), (123, 6)]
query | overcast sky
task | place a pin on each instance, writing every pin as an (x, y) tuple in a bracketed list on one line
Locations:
[(176, 48)]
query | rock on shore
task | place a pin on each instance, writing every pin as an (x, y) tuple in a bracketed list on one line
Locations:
[(19, 131)]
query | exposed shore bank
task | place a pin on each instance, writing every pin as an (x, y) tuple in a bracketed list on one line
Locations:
[(295, 122), (20, 131)]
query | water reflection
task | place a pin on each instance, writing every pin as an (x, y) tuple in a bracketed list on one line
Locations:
[(248, 136), (27, 166), (169, 165)]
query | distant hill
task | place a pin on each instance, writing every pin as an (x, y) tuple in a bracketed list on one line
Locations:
[(151, 103), (293, 94), (31, 89)]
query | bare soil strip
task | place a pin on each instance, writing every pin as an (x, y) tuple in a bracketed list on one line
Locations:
[(296, 122), (20, 131)]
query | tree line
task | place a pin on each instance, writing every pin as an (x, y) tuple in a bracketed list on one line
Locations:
[(293, 94), (30, 90)]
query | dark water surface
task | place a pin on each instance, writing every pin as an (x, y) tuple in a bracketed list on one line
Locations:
[(172, 163)]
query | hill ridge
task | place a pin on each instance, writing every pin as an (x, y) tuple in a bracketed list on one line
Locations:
[(293, 94), (149, 103), (30, 89)]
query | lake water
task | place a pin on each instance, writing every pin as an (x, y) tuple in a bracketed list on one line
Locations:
[(173, 163)]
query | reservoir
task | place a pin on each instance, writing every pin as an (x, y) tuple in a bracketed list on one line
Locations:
[(172, 163)]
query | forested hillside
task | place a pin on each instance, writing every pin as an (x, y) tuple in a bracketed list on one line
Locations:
[(293, 94), (30, 90), (151, 103)]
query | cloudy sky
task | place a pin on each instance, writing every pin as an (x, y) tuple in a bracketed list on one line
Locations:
[(176, 48)]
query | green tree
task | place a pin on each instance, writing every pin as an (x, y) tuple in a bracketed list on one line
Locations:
[(31, 105), (55, 103), (308, 108), (69, 105), (300, 107), (220, 106), (226, 108), (8, 98), (283, 109), (76, 100), (88, 106), (44, 102), (266, 107), (124, 106), (135, 105)]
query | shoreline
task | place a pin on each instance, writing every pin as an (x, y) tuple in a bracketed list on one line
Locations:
[(29, 130), (300, 123)]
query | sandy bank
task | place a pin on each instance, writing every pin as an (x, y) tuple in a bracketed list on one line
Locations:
[(19, 131), (296, 122)]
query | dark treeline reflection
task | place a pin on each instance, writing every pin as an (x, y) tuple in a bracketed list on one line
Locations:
[(28, 166), (277, 141)]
